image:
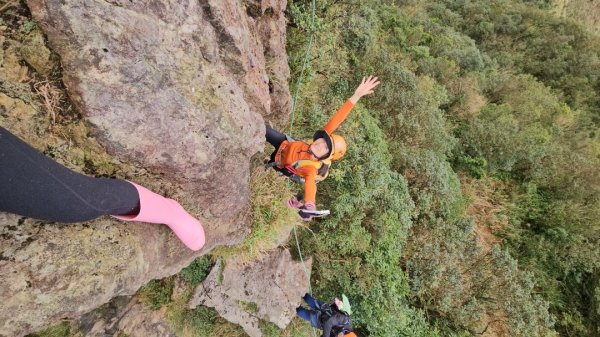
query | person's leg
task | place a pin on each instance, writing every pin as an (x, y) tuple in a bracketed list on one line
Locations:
[(274, 137), (283, 171), (34, 185), (303, 313), (310, 316), (155, 208), (311, 301)]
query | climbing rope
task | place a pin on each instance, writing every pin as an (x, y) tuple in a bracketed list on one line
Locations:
[(303, 68), (294, 100), (298, 83)]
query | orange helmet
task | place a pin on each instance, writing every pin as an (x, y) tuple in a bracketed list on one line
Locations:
[(339, 147), (335, 143)]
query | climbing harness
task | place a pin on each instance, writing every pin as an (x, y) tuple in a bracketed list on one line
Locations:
[(291, 171)]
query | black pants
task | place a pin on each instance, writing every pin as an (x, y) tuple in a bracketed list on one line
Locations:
[(35, 186), (275, 138)]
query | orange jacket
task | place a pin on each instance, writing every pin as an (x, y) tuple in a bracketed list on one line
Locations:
[(290, 152)]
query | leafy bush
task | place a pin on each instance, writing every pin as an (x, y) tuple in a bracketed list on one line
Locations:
[(156, 293), (499, 89), (454, 279), (197, 271)]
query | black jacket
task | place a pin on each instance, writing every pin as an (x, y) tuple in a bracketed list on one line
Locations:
[(335, 324)]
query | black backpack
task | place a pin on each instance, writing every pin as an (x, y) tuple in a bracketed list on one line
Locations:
[(327, 311)]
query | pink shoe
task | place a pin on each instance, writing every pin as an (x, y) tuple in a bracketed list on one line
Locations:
[(155, 208)]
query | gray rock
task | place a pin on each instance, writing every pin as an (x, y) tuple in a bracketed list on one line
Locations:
[(174, 92), (125, 315), (176, 87), (51, 271), (271, 23), (270, 289)]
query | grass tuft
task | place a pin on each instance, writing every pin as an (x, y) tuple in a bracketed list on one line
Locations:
[(271, 219), (62, 329)]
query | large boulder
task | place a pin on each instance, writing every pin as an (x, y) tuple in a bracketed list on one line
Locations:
[(269, 288), (52, 271), (172, 95), (176, 87)]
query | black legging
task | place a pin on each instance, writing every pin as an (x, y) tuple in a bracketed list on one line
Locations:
[(274, 137), (34, 185)]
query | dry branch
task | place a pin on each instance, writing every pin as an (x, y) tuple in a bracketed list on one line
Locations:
[(52, 98)]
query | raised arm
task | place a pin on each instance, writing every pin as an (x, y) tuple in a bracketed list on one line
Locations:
[(366, 87)]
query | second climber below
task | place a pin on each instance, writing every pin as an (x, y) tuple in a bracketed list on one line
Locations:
[(333, 319), (309, 162)]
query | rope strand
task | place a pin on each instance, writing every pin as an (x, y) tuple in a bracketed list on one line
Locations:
[(294, 101)]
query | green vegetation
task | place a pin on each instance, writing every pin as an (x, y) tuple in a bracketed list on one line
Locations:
[(269, 329), (197, 271), (62, 329), (28, 26), (200, 321), (156, 293), (249, 307), (496, 97), (271, 219)]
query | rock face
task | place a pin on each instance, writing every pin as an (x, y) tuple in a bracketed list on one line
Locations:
[(51, 271), (271, 24), (177, 87), (172, 95), (124, 315), (270, 289)]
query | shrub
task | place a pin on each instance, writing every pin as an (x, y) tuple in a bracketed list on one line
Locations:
[(156, 293), (197, 271)]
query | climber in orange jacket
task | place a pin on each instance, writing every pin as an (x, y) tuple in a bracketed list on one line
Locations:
[(309, 162)]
